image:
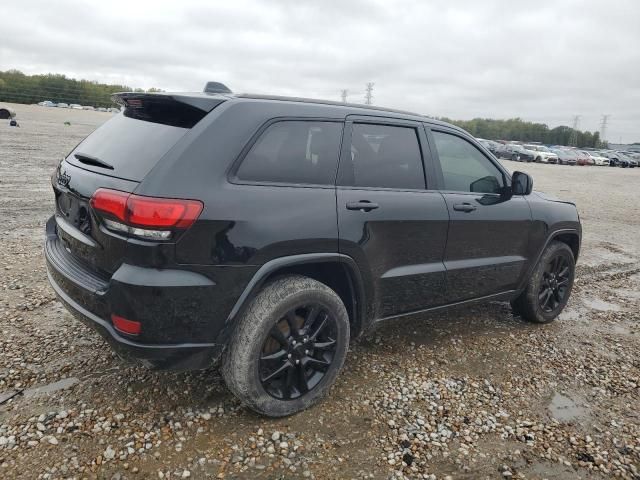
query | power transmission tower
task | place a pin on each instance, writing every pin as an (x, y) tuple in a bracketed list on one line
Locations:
[(573, 138), (368, 97), (343, 94), (603, 128)]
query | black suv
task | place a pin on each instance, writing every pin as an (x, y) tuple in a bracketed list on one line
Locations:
[(265, 232)]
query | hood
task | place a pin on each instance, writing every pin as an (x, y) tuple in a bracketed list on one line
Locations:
[(551, 198)]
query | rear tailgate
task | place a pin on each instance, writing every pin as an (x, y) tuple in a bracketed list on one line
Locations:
[(117, 156)]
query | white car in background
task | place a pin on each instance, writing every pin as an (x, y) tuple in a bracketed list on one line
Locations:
[(542, 154), (75, 106), (597, 159)]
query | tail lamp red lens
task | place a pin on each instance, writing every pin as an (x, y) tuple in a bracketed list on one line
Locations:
[(146, 212), (127, 326)]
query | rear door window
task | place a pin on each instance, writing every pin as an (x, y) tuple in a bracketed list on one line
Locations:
[(383, 156), (294, 152)]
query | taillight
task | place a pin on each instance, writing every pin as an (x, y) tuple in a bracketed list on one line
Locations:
[(145, 217)]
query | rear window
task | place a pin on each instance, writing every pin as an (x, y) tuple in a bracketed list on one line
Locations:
[(126, 148), (294, 152), (383, 156)]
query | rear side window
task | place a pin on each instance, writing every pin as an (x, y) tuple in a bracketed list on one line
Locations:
[(383, 156), (294, 152)]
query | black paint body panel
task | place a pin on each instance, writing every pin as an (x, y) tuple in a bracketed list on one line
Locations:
[(413, 253)]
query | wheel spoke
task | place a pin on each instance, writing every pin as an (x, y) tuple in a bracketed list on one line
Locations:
[(544, 293), (280, 354), (324, 345), (316, 364), (303, 386), (563, 273), (548, 296), (563, 282), (279, 371), (311, 317), (323, 323), (288, 383)]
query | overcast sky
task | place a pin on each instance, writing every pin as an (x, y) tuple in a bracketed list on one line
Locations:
[(541, 60)]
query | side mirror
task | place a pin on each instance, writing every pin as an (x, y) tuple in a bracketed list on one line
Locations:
[(521, 183)]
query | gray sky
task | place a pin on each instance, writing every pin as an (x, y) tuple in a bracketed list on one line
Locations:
[(542, 60)]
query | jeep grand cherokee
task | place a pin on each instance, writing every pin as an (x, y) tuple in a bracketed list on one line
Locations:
[(265, 232)]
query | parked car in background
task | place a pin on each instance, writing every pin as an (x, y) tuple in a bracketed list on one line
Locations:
[(615, 159), (88, 107), (518, 153), (565, 157), (627, 160), (490, 145), (101, 109), (47, 103), (583, 158), (598, 160), (75, 106), (63, 105), (543, 154)]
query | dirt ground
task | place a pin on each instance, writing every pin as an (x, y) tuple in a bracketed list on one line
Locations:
[(472, 393)]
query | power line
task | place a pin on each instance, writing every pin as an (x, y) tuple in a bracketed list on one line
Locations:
[(573, 138), (603, 128), (368, 97)]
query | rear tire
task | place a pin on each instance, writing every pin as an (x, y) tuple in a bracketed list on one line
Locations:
[(288, 347), (549, 287)]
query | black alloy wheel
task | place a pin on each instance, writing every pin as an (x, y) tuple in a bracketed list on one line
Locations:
[(553, 287), (298, 352)]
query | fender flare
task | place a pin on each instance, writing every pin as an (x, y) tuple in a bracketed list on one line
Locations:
[(259, 278), (552, 235)]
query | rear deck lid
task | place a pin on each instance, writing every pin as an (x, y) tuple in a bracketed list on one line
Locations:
[(130, 144)]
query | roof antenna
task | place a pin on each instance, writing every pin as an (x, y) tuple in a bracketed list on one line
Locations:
[(216, 87)]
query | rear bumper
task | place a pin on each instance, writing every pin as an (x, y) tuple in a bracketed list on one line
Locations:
[(91, 298)]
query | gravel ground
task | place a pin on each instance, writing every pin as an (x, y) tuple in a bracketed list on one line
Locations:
[(472, 393)]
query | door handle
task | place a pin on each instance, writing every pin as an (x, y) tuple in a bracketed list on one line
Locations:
[(464, 207), (362, 205)]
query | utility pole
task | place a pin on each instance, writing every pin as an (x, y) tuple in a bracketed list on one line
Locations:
[(603, 128), (573, 138), (368, 97), (343, 94)]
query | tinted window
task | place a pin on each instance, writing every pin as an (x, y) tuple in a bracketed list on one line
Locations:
[(464, 168), (384, 157), (131, 147), (294, 152)]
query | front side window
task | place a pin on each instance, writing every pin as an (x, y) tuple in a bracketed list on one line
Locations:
[(383, 156), (464, 168), (294, 152)]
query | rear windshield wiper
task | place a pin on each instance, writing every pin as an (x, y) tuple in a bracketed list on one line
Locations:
[(89, 160)]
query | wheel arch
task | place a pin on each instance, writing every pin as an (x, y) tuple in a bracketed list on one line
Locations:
[(339, 272), (571, 237)]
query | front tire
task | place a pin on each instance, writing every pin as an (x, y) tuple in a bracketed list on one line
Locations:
[(549, 287), (288, 347)]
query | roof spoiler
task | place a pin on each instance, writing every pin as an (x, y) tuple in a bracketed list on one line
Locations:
[(178, 110), (135, 99)]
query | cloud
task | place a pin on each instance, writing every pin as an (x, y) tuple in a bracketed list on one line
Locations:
[(544, 61)]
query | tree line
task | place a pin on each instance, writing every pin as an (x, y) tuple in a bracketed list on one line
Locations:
[(518, 129), (16, 87)]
